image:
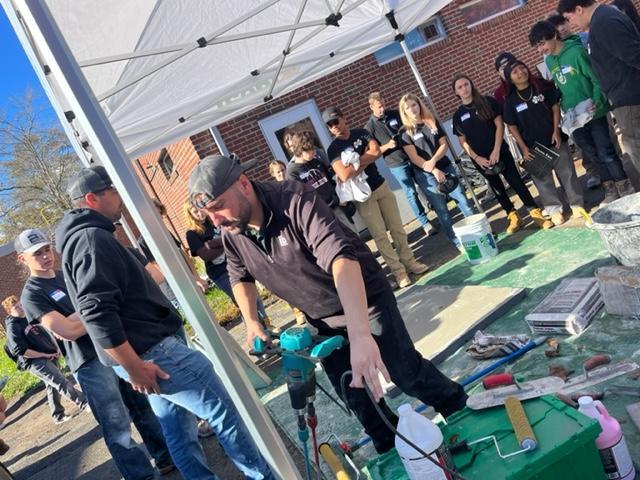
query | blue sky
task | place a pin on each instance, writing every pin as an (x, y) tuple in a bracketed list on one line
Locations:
[(19, 74)]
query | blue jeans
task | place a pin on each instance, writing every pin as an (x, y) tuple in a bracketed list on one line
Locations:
[(196, 387), (429, 186), (100, 386), (595, 143), (405, 174), (224, 284)]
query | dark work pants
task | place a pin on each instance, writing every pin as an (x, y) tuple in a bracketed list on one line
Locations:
[(512, 176), (56, 383), (146, 422), (412, 373)]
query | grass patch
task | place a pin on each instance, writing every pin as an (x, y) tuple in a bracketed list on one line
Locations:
[(20, 382), (222, 306)]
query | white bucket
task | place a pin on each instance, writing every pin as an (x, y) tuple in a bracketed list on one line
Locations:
[(474, 234)]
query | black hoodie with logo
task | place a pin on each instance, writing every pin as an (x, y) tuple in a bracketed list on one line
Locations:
[(114, 295)]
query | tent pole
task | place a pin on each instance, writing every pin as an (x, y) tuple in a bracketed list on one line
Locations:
[(74, 91), (425, 94)]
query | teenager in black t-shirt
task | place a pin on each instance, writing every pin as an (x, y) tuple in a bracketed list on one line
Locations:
[(380, 211), (205, 242), (480, 129), (385, 126), (306, 167), (532, 112), (424, 141)]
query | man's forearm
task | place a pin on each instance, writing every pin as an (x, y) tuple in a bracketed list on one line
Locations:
[(347, 277), (125, 356), (246, 296)]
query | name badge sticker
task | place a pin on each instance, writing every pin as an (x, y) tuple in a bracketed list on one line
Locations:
[(465, 116), (521, 107), (57, 295), (418, 136), (393, 122), (566, 69)]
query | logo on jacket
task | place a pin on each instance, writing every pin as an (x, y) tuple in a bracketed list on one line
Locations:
[(282, 241)]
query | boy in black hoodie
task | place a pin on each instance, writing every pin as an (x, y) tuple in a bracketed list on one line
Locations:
[(140, 333), (33, 350)]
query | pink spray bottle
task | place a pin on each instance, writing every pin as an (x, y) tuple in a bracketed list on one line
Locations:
[(611, 445)]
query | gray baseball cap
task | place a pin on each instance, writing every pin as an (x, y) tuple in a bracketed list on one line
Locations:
[(213, 176), (89, 180), (30, 240), (331, 113)]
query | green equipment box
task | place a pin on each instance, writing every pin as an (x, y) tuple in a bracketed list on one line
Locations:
[(566, 446)]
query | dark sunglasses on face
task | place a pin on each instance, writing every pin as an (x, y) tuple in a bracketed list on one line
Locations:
[(333, 123)]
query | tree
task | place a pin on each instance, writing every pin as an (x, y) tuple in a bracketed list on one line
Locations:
[(36, 163)]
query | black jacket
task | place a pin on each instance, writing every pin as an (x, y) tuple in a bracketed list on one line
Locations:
[(21, 336), (614, 48), (114, 295)]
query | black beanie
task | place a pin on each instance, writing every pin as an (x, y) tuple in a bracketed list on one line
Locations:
[(504, 56), (509, 68)]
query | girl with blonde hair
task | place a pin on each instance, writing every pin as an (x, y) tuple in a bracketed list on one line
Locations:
[(424, 141)]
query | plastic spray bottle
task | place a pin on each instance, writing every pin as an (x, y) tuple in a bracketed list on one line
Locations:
[(611, 445), (428, 437)]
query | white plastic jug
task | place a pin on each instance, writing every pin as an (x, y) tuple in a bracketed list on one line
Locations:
[(428, 437)]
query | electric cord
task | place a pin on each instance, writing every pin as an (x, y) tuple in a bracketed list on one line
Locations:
[(391, 427)]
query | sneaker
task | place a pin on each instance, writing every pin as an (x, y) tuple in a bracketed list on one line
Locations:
[(610, 192), (624, 188), (416, 268), (488, 197), (402, 279), (62, 419), (557, 218), (539, 219), (204, 429), (593, 181), (515, 222), (4, 448), (430, 229)]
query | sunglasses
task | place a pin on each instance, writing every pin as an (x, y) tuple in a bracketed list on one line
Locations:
[(333, 123), (201, 200)]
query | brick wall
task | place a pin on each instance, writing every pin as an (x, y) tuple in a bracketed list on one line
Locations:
[(465, 50), (13, 276)]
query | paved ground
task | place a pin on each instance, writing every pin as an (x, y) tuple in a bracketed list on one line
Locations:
[(41, 450)]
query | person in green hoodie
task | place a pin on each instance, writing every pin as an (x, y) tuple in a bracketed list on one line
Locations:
[(583, 103)]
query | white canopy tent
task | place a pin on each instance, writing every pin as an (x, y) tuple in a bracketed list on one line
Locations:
[(127, 78)]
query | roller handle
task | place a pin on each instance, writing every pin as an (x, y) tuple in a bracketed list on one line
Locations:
[(498, 380), (333, 461), (595, 361), (520, 423)]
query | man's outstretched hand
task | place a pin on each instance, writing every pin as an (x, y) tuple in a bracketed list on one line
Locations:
[(366, 362), (145, 378)]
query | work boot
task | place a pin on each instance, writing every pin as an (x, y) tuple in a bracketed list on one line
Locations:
[(539, 219), (610, 192), (581, 213), (557, 218), (515, 222), (593, 181), (300, 318), (416, 267), (624, 188), (402, 279)]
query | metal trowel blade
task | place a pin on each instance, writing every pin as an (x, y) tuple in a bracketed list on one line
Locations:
[(598, 375), (531, 389)]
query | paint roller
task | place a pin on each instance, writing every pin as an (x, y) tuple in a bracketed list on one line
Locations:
[(333, 461), (520, 423)]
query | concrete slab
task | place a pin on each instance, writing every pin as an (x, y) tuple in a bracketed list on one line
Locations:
[(441, 319)]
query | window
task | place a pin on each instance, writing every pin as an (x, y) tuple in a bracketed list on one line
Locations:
[(426, 34), (478, 11), (166, 164)]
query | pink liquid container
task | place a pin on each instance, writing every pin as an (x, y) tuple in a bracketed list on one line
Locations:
[(611, 444)]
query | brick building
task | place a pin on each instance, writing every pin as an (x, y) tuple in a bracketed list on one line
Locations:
[(464, 37)]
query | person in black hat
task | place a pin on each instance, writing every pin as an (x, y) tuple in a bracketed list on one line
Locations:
[(423, 140), (380, 210), (502, 60), (284, 236), (113, 402), (480, 129), (137, 330)]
